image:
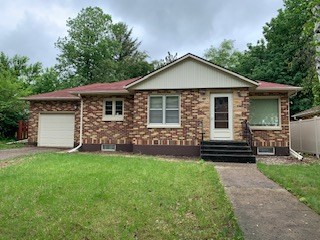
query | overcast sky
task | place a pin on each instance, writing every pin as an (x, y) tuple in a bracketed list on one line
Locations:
[(32, 27)]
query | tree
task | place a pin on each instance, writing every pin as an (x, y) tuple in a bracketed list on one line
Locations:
[(225, 55), (20, 67), (288, 54), (12, 108), (19, 78), (162, 62), (96, 50), (130, 62), (47, 81)]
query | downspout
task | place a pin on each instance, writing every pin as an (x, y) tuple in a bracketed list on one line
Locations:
[(81, 123), (293, 153)]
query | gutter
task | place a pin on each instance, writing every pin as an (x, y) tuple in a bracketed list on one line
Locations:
[(81, 123)]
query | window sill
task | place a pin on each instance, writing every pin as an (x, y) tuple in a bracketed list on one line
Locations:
[(266, 127), (113, 119), (163, 126)]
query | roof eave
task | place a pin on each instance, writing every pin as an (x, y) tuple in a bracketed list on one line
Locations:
[(290, 90), (51, 99), (104, 92)]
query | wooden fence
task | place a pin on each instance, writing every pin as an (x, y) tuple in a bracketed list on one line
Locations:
[(305, 135), (22, 132)]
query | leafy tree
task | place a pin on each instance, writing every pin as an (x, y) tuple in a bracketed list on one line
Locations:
[(20, 67), (19, 78), (96, 50), (162, 62), (288, 54), (47, 81), (225, 55), (12, 108)]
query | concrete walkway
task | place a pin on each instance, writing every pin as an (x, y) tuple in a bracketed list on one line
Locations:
[(17, 152), (265, 210)]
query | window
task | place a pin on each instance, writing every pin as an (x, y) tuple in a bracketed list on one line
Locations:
[(265, 151), (108, 147), (265, 113), (113, 110), (164, 111)]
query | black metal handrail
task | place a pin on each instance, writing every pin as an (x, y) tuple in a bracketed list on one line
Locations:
[(247, 133)]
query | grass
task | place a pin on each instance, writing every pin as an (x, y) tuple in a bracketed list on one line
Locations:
[(87, 196), (4, 145), (301, 180)]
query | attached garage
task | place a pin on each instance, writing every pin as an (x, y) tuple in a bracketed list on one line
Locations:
[(56, 130)]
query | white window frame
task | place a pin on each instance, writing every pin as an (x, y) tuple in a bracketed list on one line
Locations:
[(112, 117), (113, 147), (253, 127), (266, 153), (163, 124)]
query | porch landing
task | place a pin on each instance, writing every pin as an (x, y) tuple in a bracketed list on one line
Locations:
[(227, 151)]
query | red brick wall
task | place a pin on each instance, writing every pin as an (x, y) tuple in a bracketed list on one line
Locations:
[(274, 138), (37, 107), (187, 134), (97, 131), (195, 106)]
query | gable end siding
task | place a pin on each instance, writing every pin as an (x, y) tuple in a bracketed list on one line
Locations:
[(191, 74)]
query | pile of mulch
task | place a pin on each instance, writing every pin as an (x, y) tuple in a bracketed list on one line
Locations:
[(307, 159)]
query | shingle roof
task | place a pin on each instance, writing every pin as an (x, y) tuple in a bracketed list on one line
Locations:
[(309, 112), (119, 87), (268, 85), (70, 93)]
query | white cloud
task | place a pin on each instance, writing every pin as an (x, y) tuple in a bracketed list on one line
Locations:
[(32, 27)]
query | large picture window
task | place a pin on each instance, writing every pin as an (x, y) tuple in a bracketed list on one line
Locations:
[(164, 110), (113, 110), (264, 113)]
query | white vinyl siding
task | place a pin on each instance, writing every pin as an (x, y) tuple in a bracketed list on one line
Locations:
[(56, 130), (113, 109), (164, 110), (191, 74), (265, 113)]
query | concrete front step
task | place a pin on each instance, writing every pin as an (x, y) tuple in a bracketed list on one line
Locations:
[(229, 158), (227, 151)]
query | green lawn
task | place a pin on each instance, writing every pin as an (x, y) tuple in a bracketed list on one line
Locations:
[(87, 196), (301, 180), (4, 145)]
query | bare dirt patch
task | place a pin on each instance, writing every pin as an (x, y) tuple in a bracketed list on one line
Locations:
[(274, 160)]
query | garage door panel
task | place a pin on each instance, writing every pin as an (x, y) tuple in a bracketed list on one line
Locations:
[(56, 130)]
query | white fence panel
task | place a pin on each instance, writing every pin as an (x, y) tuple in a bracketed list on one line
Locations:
[(305, 135), (295, 136)]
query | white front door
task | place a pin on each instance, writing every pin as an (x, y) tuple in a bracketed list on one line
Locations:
[(221, 116)]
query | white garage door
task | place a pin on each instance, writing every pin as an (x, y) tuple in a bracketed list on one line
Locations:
[(56, 130)]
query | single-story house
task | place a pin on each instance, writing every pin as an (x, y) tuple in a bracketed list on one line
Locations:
[(179, 109), (307, 114)]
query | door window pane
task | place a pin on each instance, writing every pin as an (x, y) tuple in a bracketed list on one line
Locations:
[(221, 124), (221, 104), (221, 115), (264, 112)]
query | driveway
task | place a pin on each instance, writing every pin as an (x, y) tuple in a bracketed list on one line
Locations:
[(17, 152), (264, 209)]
